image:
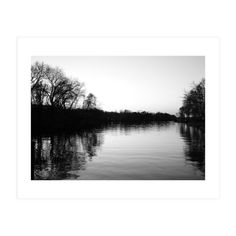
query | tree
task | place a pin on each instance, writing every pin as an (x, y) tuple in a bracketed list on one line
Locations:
[(90, 102), (50, 86), (39, 73), (194, 102), (63, 92)]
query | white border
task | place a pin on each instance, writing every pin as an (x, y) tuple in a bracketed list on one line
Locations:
[(117, 46)]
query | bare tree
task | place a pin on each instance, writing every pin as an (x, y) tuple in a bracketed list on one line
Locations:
[(39, 73), (50, 86)]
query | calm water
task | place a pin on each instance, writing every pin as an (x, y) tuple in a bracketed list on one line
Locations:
[(168, 151)]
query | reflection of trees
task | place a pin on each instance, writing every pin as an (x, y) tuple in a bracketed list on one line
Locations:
[(91, 141), (61, 156), (56, 156), (194, 138), (127, 128)]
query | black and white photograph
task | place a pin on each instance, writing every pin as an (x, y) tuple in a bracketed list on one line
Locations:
[(118, 117)]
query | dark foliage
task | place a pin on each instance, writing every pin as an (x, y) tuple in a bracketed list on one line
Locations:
[(193, 109), (48, 118)]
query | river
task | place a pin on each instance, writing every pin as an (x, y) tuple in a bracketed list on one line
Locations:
[(157, 151)]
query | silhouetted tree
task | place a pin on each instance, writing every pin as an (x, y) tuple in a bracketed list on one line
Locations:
[(90, 102), (39, 88), (194, 102), (62, 91), (50, 86)]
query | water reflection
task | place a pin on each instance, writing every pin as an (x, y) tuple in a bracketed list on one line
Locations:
[(147, 151), (55, 157), (126, 129), (194, 150)]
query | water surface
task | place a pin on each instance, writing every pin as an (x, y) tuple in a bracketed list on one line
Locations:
[(157, 151)]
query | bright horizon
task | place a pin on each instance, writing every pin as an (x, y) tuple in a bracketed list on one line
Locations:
[(135, 83)]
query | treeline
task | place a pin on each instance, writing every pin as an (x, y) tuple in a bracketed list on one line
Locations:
[(52, 119), (58, 103), (193, 109)]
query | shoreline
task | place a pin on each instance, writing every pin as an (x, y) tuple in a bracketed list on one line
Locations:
[(47, 119)]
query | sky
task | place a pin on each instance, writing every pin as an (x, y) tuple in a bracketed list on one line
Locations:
[(135, 83)]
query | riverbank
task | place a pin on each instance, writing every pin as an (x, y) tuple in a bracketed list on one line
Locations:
[(195, 122), (51, 119)]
